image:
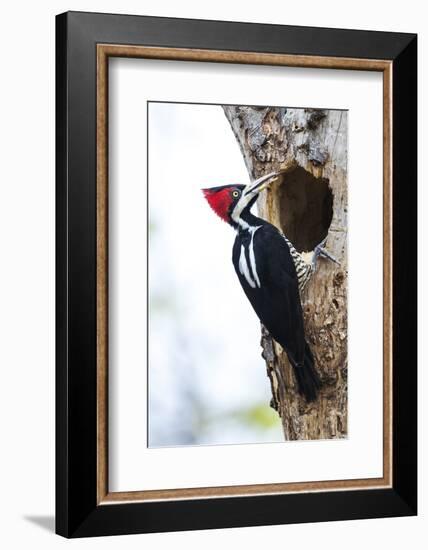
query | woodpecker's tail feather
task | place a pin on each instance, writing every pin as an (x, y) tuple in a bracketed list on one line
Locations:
[(308, 380)]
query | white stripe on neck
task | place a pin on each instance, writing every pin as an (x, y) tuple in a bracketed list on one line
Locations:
[(243, 202)]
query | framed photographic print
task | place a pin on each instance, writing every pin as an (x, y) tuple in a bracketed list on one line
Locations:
[(236, 274)]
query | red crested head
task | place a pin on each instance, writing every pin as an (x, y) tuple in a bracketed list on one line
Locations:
[(233, 202), (220, 199)]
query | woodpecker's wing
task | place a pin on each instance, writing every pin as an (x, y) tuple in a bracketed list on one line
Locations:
[(267, 274)]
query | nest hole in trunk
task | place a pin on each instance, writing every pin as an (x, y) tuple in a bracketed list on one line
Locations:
[(305, 208)]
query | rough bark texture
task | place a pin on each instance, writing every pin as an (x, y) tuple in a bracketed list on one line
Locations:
[(307, 204)]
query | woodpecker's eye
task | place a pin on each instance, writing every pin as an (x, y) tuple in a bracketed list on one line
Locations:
[(235, 194)]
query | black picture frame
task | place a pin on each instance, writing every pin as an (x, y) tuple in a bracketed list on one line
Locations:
[(78, 513)]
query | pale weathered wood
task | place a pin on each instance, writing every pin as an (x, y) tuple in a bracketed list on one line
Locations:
[(307, 204)]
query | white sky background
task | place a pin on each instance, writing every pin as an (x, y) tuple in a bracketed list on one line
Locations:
[(204, 345)]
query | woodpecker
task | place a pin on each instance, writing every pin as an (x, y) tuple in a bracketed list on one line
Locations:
[(272, 274)]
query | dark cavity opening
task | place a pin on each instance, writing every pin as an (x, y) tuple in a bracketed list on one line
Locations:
[(306, 208)]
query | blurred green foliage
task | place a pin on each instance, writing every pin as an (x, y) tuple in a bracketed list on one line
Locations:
[(259, 415)]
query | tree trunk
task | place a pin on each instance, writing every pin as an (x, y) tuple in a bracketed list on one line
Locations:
[(308, 204)]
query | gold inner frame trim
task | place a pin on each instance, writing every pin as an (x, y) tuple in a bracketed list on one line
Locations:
[(104, 51)]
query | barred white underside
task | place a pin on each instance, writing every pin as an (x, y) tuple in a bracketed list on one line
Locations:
[(303, 268)]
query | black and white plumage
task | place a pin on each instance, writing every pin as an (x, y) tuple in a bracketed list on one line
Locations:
[(272, 274), (304, 269)]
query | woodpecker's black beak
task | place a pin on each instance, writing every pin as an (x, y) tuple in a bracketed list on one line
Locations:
[(261, 183)]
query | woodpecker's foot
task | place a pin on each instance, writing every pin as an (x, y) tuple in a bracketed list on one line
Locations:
[(320, 251)]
